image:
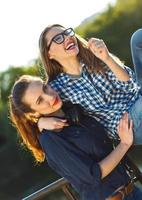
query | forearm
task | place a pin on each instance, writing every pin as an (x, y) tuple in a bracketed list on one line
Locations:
[(113, 159), (115, 67)]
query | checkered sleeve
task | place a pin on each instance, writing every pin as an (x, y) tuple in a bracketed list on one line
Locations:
[(123, 85)]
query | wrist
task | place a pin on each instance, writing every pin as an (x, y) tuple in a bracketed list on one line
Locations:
[(108, 59), (125, 145)]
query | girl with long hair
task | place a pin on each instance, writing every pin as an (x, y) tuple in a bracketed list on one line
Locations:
[(81, 152), (88, 74)]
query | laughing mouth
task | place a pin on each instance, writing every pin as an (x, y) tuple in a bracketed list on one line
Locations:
[(70, 46)]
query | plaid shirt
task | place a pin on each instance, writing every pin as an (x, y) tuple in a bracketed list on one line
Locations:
[(102, 96)]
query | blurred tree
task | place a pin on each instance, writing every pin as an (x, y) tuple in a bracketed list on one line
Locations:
[(8, 78), (17, 163), (115, 26)]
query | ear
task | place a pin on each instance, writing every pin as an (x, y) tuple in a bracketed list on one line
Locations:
[(50, 55)]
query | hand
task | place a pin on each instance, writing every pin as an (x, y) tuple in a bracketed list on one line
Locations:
[(51, 123), (125, 130), (99, 49)]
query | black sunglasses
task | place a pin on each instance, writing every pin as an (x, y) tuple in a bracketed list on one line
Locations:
[(59, 38)]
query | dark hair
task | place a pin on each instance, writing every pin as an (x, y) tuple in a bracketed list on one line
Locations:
[(53, 68), (20, 116)]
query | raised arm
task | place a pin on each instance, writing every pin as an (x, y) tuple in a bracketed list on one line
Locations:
[(100, 50)]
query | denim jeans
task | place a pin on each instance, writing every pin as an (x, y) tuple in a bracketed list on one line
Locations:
[(135, 195), (136, 110), (136, 50)]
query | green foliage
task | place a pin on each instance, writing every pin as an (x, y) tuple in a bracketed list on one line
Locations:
[(8, 78), (115, 26), (17, 163)]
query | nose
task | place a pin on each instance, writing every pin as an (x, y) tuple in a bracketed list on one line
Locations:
[(67, 37), (50, 97)]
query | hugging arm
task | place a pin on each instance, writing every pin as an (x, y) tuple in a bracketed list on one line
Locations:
[(71, 161), (51, 123)]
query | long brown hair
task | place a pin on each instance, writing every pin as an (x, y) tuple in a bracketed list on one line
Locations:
[(20, 116), (53, 68)]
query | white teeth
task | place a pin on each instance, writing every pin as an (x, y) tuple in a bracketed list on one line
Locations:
[(71, 44)]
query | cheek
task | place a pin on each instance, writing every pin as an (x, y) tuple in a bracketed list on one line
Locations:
[(47, 109), (60, 51), (56, 52)]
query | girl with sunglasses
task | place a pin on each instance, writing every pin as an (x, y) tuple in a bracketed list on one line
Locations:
[(81, 153), (86, 73)]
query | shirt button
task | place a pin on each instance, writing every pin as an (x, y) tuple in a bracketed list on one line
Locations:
[(76, 133)]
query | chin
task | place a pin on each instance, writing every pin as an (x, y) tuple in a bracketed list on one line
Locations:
[(76, 51), (73, 52)]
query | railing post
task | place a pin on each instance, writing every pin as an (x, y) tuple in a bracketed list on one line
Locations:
[(68, 193), (61, 184)]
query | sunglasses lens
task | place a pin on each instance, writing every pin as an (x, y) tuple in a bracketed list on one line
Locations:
[(59, 39), (69, 32)]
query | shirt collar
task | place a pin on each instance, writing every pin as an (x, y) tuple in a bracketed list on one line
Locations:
[(68, 77)]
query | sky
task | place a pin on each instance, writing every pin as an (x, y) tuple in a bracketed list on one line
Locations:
[(22, 21)]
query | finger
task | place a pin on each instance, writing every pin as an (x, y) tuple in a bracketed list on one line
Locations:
[(118, 128), (131, 125), (93, 41), (59, 127), (122, 123), (98, 42), (59, 124), (124, 117), (126, 120), (100, 45), (66, 124), (119, 125), (61, 120)]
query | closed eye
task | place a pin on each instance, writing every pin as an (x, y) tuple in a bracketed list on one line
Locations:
[(40, 100)]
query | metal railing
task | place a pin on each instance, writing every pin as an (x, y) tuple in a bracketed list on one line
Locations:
[(57, 185)]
